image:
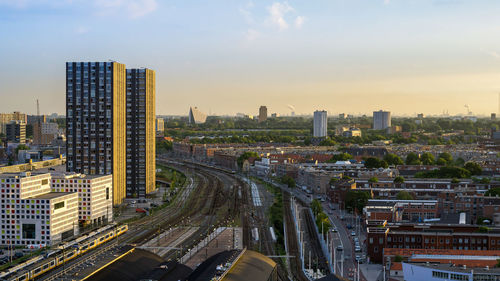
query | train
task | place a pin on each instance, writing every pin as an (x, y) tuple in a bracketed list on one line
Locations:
[(67, 251)]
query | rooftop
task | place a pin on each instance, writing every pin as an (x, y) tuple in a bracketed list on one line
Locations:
[(51, 195)]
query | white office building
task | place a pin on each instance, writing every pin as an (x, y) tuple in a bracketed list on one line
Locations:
[(381, 120), (320, 124), (31, 214)]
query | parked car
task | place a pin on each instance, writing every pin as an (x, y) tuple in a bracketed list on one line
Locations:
[(357, 248), (334, 229), (353, 233), (349, 226), (140, 210), (18, 255), (340, 248)]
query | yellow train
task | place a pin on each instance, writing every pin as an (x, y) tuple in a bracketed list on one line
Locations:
[(26, 271)]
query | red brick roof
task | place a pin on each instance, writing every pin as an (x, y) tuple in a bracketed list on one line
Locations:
[(397, 266)]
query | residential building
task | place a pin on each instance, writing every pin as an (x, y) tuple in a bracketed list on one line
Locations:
[(33, 119), (95, 198), (320, 124), (45, 133), (429, 236), (141, 165), (196, 116), (381, 120), (96, 121), (352, 132), (6, 118), (32, 215), (262, 113), (16, 132), (160, 125)]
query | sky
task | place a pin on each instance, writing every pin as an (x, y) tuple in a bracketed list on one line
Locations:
[(227, 57)]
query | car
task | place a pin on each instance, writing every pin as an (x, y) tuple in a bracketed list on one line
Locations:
[(330, 212), (349, 226), (356, 239), (357, 249), (340, 248), (334, 229), (353, 233)]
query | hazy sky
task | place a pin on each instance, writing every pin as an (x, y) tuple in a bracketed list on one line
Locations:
[(351, 56)]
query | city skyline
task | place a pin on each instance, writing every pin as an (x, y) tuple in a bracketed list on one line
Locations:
[(353, 57)]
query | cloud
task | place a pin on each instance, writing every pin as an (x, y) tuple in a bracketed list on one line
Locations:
[(133, 8), (493, 54), (277, 12), (26, 4), (247, 13), (252, 34), (81, 30), (299, 21), (387, 2)]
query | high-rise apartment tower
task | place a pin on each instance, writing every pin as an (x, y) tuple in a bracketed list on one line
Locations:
[(141, 118), (96, 121), (381, 120), (262, 113), (320, 124)]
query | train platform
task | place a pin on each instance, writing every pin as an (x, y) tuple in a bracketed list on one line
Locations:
[(225, 239)]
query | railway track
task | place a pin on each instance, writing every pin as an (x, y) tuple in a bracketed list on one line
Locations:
[(318, 259), (292, 244), (206, 203)]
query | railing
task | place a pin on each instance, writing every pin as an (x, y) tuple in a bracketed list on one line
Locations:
[(32, 166)]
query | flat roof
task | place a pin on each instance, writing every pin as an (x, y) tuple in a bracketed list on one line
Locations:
[(458, 269), (52, 195)]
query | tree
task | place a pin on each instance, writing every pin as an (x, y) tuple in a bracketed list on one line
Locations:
[(356, 200), (340, 157), (375, 163), (446, 156), (474, 168), (289, 181), (495, 192), (445, 172), (441, 162), (163, 146), (398, 258), (412, 159), (427, 158), (316, 207), (373, 180), (399, 179), (21, 147), (404, 195), (245, 156), (393, 159)]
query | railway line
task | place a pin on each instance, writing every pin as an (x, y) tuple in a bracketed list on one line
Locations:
[(213, 206), (317, 258), (292, 243)]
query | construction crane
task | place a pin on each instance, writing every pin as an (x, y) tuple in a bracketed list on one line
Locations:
[(468, 109)]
